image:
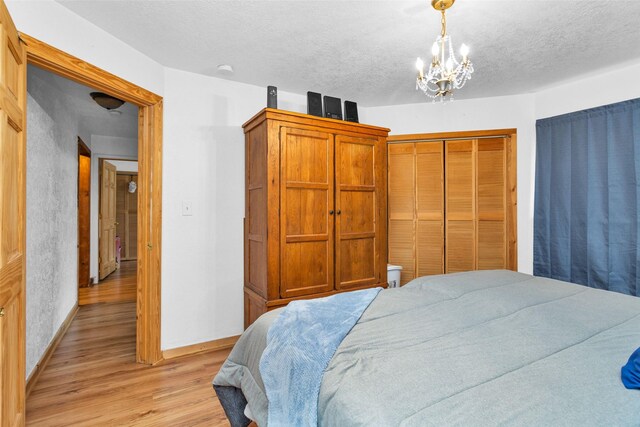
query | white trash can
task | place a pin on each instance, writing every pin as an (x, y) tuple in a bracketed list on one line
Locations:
[(393, 275)]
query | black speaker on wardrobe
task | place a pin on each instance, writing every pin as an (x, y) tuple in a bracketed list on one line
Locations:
[(272, 97), (332, 108), (351, 111), (314, 104)]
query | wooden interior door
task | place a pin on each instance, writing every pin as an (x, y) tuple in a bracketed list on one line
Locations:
[(357, 224), (429, 189), (12, 223), (107, 220), (127, 215), (84, 214), (306, 212), (460, 199), (402, 206), (491, 204)]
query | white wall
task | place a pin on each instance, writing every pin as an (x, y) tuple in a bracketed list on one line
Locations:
[(125, 165), (588, 92), (111, 148), (52, 232), (477, 114), (202, 255), (56, 25)]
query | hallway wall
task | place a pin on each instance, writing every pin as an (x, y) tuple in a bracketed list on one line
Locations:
[(52, 232)]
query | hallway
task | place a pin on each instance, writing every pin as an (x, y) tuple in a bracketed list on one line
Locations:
[(92, 378)]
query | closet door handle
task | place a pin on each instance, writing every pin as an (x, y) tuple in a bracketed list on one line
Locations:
[(339, 212), (331, 212)]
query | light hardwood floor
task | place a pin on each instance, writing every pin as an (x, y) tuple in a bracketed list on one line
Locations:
[(92, 378), (119, 286)]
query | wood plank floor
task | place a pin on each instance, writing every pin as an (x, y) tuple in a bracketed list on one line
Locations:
[(92, 379), (119, 286)]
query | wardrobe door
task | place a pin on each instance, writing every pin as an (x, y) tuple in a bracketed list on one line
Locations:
[(306, 205), (401, 211), (357, 169), (460, 206), (429, 208), (491, 221)]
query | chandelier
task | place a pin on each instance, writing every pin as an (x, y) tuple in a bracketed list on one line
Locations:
[(445, 72)]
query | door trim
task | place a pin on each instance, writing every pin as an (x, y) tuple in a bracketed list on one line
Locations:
[(150, 180)]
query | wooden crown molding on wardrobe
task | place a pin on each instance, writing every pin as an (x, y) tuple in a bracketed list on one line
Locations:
[(150, 180)]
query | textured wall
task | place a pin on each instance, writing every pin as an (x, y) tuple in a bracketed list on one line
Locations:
[(52, 263)]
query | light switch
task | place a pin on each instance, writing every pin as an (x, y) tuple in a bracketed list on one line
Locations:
[(187, 208)]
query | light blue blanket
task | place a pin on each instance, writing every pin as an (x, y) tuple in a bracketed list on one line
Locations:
[(300, 344)]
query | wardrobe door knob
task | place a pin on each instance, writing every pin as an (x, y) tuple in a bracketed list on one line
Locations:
[(339, 212), (331, 212)]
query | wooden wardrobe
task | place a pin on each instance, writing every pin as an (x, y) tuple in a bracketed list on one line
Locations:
[(452, 202), (315, 208)]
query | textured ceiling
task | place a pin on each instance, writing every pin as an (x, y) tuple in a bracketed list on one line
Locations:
[(365, 50), (94, 119)]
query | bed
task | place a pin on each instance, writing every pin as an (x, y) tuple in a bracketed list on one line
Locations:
[(478, 348)]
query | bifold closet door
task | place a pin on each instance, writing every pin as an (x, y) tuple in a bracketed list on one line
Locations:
[(491, 200), (429, 221), (306, 212), (402, 233), (460, 200), (357, 222)]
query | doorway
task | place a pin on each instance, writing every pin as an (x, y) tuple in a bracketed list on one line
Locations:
[(84, 212), (149, 176), (127, 216)]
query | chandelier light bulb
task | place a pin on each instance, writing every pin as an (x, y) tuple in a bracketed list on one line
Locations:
[(449, 65), (420, 67), (464, 51), (435, 50)]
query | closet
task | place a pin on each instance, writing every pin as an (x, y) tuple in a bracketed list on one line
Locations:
[(452, 202), (315, 208)]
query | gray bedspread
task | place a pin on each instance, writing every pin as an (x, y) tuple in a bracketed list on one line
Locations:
[(480, 348)]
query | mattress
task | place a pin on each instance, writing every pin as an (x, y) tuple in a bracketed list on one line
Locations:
[(478, 348)]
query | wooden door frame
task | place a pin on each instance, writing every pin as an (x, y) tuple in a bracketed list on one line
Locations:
[(83, 150), (150, 180)]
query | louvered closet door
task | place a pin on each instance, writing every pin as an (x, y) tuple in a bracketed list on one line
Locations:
[(306, 198), (491, 199), (357, 227), (429, 208), (402, 209), (460, 206)]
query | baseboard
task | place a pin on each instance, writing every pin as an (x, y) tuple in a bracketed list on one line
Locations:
[(220, 344), (42, 363)]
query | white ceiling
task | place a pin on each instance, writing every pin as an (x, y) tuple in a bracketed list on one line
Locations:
[(365, 50), (92, 118)]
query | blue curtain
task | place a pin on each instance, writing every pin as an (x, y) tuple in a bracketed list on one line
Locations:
[(586, 218)]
